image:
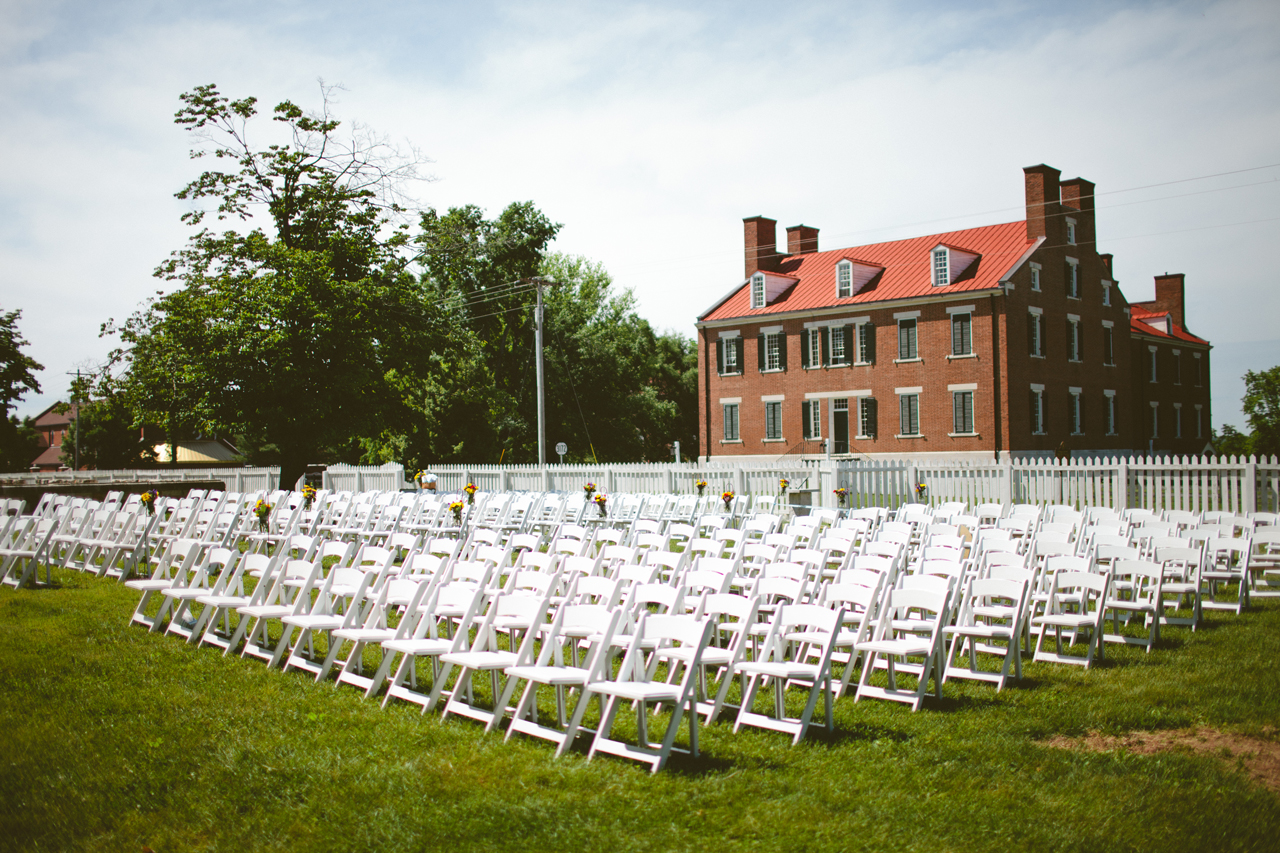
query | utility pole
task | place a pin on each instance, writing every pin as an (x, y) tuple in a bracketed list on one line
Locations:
[(75, 391), (538, 284)]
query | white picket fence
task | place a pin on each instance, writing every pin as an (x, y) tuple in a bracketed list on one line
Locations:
[(1196, 484), (234, 479)]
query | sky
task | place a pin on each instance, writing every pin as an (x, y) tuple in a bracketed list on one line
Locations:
[(650, 130)]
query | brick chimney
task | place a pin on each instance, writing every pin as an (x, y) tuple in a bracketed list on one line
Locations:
[(801, 240), (1078, 193), (1106, 266), (1170, 290), (1042, 202), (761, 242)]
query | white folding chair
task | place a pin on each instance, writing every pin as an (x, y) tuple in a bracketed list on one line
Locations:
[(910, 626)]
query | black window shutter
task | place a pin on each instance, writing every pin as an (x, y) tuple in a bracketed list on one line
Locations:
[(1031, 411), (849, 342), (760, 351), (1031, 334), (782, 350), (826, 345), (739, 349), (1080, 341), (804, 416), (873, 425), (1071, 341), (870, 331), (720, 355), (804, 350)]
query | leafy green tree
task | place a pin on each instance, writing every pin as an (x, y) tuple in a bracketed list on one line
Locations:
[(1262, 407), (300, 333), (19, 441), (1230, 441)]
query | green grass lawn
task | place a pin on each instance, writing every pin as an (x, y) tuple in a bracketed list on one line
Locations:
[(115, 739)]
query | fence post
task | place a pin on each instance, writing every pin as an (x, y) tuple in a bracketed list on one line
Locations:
[(1250, 489), (1006, 481), (1122, 485)]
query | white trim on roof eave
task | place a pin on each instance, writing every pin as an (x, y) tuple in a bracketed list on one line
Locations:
[(722, 300), (838, 309), (1017, 265)]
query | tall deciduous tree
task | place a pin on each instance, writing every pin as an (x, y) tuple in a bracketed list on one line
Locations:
[(1262, 408), (299, 333), (19, 443)]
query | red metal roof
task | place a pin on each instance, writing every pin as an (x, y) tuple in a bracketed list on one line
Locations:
[(907, 271), (1137, 314)]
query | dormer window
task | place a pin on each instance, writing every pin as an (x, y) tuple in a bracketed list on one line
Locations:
[(941, 275), (852, 275), (948, 263), (766, 287), (757, 290)]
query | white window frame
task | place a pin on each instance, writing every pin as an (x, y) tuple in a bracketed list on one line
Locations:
[(1106, 292), (773, 352), (940, 268), (834, 333), (1153, 364), (967, 394), (862, 418), (1035, 276), (1199, 421), (1038, 324), (966, 319), (757, 290), (904, 399), (727, 408), (1111, 412), (844, 280), (1108, 343), (1037, 416), (1199, 370), (773, 411), (1074, 348), (1073, 278), (1177, 368), (861, 324), (1177, 420), (815, 419), (815, 348), (1077, 411), (1155, 419), (915, 339), (1071, 231)]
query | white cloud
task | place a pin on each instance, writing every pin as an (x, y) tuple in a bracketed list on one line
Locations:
[(651, 130)]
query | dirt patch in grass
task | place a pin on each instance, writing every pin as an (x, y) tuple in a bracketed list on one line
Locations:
[(1259, 757)]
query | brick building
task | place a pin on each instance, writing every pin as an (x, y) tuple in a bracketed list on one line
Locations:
[(1004, 338)]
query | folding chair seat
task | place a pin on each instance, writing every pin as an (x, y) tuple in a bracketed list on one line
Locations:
[(1226, 562), (228, 595), (633, 684), (860, 597), (273, 605), (181, 597), (1182, 565), (397, 596), (1264, 563), (486, 655), (797, 651), (326, 615), (730, 615), (423, 637), (1144, 581), (991, 612), (555, 664), (1077, 603), (173, 568), (910, 626)]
